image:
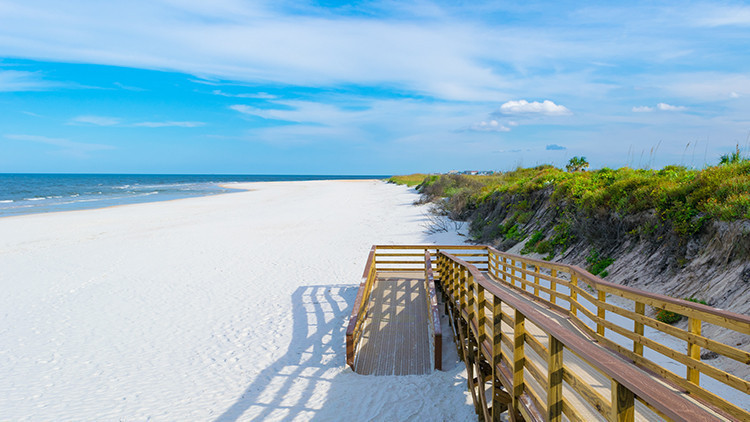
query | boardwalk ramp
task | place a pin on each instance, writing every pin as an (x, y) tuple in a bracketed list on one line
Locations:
[(544, 341)]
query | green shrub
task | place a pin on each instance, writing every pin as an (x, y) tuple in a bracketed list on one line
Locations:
[(544, 247), (667, 317), (563, 236), (693, 299), (531, 245), (598, 263), (515, 233), (411, 179)]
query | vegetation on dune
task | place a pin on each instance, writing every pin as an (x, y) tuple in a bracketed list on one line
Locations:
[(408, 180), (682, 198)]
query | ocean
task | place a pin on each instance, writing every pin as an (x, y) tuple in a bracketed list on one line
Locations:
[(37, 193)]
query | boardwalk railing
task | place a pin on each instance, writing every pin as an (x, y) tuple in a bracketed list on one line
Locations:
[(387, 259), (359, 312), (531, 333), (436, 330), (616, 317)]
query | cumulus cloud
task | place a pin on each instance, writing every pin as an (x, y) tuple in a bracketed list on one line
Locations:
[(490, 126), (642, 109), (169, 124), (95, 120), (734, 95), (669, 107), (555, 147), (523, 107)]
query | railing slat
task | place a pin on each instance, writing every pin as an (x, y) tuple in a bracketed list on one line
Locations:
[(554, 380)]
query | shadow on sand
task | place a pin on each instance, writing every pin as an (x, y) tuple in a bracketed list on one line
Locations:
[(289, 387)]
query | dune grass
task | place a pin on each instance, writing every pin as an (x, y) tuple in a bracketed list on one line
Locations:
[(684, 197)]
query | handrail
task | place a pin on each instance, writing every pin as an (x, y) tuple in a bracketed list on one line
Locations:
[(359, 310), (626, 384), (563, 283), (743, 321), (433, 312)]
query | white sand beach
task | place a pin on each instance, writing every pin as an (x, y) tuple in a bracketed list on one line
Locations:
[(229, 307)]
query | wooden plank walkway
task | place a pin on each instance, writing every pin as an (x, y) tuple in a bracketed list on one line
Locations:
[(395, 339)]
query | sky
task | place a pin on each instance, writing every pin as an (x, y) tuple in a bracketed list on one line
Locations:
[(370, 87)]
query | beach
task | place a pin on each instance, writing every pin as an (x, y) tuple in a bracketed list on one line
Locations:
[(227, 307)]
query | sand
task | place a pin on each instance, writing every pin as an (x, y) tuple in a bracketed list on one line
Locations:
[(229, 307)]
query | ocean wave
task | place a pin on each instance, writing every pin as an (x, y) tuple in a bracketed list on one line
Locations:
[(6, 201), (34, 199)]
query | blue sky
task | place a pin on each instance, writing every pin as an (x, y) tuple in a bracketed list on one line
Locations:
[(380, 87)]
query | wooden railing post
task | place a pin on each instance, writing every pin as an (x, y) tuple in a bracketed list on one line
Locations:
[(554, 380), (640, 309), (553, 287), (600, 311), (573, 295), (523, 276), (623, 403), (512, 270), (481, 316), (519, 359), (472, 301), (498, 404), (694, 350), (451, 266), (462, 290)]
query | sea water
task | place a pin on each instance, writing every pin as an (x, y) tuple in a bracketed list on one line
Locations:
[(35, 193)]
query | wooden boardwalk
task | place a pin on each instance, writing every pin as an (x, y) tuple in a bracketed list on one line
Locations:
[(600, 384), (395, 340), (544, 341)]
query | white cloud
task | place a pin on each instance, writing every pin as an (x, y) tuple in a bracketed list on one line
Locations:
[(490, 126), (704, 86), (669, 107), (725, 16), (15, 80), (254, 111), (169, 124), (642, 109), (95, 120), (259, 95), (523, 107)]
